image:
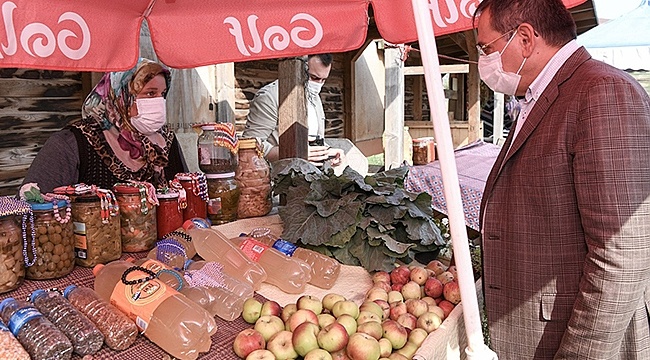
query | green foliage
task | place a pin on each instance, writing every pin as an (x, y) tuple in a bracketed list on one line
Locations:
[(371, 221)]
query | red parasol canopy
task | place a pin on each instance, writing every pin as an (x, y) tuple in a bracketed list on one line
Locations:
[(90, 35)]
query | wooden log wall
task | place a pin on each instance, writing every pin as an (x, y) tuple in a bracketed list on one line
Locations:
[(33, 105), (253, 75)]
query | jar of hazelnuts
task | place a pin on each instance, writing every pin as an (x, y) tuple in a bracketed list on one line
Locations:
[(12, 256)]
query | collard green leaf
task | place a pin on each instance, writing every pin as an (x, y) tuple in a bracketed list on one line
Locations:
[(328, 207), (424, 231), (386, 214), (371, 258), (341, 238), (344, 256), (390, 243)]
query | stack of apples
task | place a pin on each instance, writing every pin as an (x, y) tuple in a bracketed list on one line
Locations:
[(398, 313)]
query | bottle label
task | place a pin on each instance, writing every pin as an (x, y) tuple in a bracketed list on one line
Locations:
[(253, 248), (21, 317), (80, 240), (214, 206), (284, 247), (204, 154), (139, 301)]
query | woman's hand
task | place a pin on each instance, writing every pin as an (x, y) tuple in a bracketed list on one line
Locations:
[(319, 154)]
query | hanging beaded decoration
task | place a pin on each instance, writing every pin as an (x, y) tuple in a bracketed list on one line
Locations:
[(210, 275), (55, 198), (108, 204), (180, 234), (9, 205), (182, 194), (168, 249), (199, 184)]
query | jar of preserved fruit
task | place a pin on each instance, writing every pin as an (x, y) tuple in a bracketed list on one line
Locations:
[(254, 177), (168, 214), (137, 216), (195, 188), (12, 254), (217, 146), (55, 240), (223, 192), (96, 221), (424, 151)]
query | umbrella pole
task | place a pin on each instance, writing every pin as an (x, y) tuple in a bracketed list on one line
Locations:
[(476, 348)]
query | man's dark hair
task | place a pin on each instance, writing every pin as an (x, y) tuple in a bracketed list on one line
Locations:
[(326, 59), (550, 18)]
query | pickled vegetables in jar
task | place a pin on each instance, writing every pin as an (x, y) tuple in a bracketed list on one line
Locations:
[(138, 224)]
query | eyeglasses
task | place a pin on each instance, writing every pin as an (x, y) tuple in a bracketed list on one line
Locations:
[(316, 78), (481, 48)]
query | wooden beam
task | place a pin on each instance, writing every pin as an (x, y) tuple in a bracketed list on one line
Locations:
[(292, 113), (444, 69), (417, 98), (473, 90), (225, 92), (394, 112)]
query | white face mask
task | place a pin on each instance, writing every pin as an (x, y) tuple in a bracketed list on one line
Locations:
[(314, 87), (152, 115), (490, 69)]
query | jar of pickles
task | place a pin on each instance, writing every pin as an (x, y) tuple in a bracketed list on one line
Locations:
[(12, 254), (168, 214), (223, 192), (254, 177), (217, 148), (137, 216), (54, 242), (195, 187), (96, 220)]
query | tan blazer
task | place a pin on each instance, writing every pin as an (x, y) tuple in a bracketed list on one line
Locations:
[(566, 222)]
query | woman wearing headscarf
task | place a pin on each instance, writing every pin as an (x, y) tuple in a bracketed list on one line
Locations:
[(121, 135)]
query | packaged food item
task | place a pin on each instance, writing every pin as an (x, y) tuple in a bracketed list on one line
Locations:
[(169, 215), (424, 151), (254, 177), (193, 193), (223, 194), (119, 331), (324, 269), (137, 202), (35, 332), (54, 243), (287, 273), (12, 256), (10, 348), (96, 222), (217, 148), (212, 245), (169, 319), (86, 339)]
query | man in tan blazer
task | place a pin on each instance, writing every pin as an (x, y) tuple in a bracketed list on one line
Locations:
[(566, 208)]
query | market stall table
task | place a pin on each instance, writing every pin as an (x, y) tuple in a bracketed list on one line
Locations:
[(474, 162)]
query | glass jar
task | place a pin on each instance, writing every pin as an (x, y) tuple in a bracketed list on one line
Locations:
[(137, 218), (424, 151), (223, 192), (196, 194), (54, 242), (168, 214), (96, 228), (12, 264), (217, 146), (254, 177)]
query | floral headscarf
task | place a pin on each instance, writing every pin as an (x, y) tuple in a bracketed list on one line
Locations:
[(105, 113)]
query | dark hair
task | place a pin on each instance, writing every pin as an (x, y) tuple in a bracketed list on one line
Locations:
[(326, 59), (550, 18)]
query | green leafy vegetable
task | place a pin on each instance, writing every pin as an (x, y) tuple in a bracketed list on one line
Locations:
[(371, 221)]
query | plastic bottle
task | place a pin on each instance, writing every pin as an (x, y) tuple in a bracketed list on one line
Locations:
[(168, 318), (85, 337), (36, 333), (287, 273), (212, 245), (119, 331), (230, 291), (324, 269), (169, 252), (10, 348)]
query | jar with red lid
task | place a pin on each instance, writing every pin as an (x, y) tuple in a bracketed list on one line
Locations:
[(196, 194), (137, 217), (168, 214), (96, 221), (54, 244)]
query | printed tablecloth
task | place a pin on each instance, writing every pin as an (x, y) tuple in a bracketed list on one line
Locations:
[(473, 162)]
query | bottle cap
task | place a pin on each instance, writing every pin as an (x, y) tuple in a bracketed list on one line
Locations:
[(5, 302), (36, 293), (97, 269), (196, 223), (68, 290)]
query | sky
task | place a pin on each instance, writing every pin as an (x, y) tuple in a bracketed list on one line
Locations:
[(610, 9)]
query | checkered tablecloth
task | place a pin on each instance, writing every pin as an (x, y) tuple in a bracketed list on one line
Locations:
[(473, 162)]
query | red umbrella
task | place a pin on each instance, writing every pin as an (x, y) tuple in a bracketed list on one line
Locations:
[(89, 35)]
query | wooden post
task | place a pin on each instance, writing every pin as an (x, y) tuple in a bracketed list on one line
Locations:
[(473, 90), (225, 92), (292, 113), (417, 98), (394, 113)]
